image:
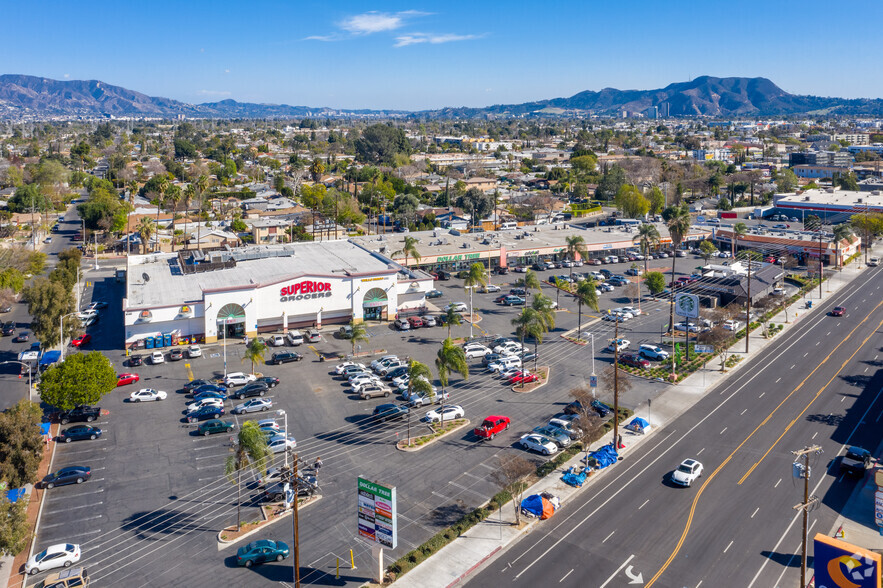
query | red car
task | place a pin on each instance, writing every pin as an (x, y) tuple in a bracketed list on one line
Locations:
[(491, 426), (838, 311), (634, 361), (524, 379), (124, 379), (81, 340), (416, 322)]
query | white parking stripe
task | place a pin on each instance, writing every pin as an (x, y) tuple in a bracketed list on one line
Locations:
[(67, 523)]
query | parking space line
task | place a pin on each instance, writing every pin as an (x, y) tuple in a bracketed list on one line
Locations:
[(213, 456), (84, 533), (82, 451), (49, 498), (67, 523), (67, 508)]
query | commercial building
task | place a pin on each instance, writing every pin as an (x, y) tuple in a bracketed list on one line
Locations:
[(830, 204), (803, 245), (239, 292)]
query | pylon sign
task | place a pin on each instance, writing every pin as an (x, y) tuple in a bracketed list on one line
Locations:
[(687, 305), (839, 564), (377, 513)]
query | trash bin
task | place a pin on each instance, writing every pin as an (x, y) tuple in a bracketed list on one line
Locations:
[(167, 340), (148, 342)]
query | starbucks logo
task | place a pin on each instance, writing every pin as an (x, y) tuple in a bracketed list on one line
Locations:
[(686, 306)]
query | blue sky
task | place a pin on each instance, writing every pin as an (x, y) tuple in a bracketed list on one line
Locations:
[(418, 56)]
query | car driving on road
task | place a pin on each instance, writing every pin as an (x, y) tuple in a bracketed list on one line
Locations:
[(688, 472)]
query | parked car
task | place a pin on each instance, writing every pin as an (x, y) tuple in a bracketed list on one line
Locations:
[(475, 351), (21, 338), (402, 324), (618, 344), (270, 381), (81, 340), (634, 361), (8, 328), (434, 294), (513, 300), (212, 426), (253, 389), (429, 321), (489, 288), (253, 405), (415, 322), (68, 475), (209, 390), (78, 433), (732, 325), (285, 357), (373, 391), (281, 443), (68, 578), (54, 556), (456, 306), (387, 412), (84, 413), (688, 472), (194, 351), (205, 413), (194, 384), (176, 354), (653, 352), (556, 435), (688, 327), (198, 404), (448, 412), (258, 552), (238, 379), (538, 443), (276, 341), (856, 461), (492, 426), (147, 395)]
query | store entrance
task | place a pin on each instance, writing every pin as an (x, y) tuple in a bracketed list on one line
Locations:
[(373, 313), (231, 330)]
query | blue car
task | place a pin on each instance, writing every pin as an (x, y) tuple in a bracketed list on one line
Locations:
[(206, 412), (209, 394), (262, 551), (209, 388), (79, 432)]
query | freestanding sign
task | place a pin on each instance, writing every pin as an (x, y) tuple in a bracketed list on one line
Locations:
[(377, 513), (838, 564), (687, 305)]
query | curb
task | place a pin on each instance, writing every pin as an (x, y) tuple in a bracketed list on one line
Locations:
[(431, 441), (224, 543), (538, 385)]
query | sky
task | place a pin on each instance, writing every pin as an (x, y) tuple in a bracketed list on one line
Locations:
[(416, 56)]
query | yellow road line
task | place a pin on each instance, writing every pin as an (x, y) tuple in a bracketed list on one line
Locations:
[(189, 372), (314, 350), (765, 421)]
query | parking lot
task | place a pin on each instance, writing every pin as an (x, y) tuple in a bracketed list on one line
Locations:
[(158, 495)]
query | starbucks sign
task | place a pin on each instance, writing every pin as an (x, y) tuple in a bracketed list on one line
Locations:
[(687, 305)]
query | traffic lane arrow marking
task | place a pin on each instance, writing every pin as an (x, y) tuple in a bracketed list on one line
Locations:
[(619, 569), (633, 579)]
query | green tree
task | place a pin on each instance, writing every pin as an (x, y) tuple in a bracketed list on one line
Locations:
[(450, 359), (477, 203), (359, 334), (841, 232), (15, 531), (12, 278), (610, 183), (739, 231), (251, 453), (584, 165), (476, 276), (254, 352), (586, 293), (657, 200), (786, 181), (82, 378), (529, 282), (381, 143), (707, 249), (576, 245), (238, 225), (28, 198), (21, 445), (47, 302), (847, 181), (317, 168), (655, 282), (631, 202), (173, 198), (451, 318), (409, 248), (647, 239), (145, 230), (677, 218)]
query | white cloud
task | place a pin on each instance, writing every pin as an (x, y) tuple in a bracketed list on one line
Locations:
[(226, 71), (326, 38), (67, 75), (431, 38), (213, 93), (377, 22)]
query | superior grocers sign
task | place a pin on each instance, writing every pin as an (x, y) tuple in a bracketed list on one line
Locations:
[(305, 289)]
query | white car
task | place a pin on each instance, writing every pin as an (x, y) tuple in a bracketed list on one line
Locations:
[(619, 345), (490, 288), (147, 395), (504, 363), (416, 400), (512, 372), (688, 472), (538, 443), (239, 379), (509, 348), (358, 387), (449, 412), (456, 306), (624, 313), (157, 357), (342, 367), (194, 351), (280, 443), (732, 325), (196, 405), (632, 310), (476, 351), (54, 556), (689, 327), (277, 341), (253, 405), (391, 366), (362, 378), (377, 362), (87, 313), (778, 291), (401, 380), (605, 287)]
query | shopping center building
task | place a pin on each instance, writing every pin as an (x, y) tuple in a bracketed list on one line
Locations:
[(245, 291)]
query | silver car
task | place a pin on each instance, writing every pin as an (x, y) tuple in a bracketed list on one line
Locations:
[(253, 405)]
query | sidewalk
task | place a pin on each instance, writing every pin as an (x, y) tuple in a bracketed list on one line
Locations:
[(480, 544)]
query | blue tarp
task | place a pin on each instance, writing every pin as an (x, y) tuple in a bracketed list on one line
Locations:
[(602, 458), (573, 479), (14, 495), (44, 428), (533, 504)]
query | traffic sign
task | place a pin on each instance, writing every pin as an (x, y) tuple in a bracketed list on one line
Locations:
[(593, 381)]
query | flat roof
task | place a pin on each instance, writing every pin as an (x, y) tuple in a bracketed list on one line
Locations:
[(157, 280), (858, 200)]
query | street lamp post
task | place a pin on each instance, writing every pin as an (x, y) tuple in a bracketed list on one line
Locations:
[(284, 414), (30, 380), (61, 331), (471, 312)]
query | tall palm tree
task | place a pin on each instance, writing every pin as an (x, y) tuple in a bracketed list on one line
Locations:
[(841, 232), (359, 333), (586, 293), (173, 197), (163, 187), (647, 240), (450, 359), (133, 189), (419, 383), (251, 453), (542, 304), (409, 248), (254, 352), (739, 230), (201, 186), (452, 317), (476, 276), (145, 230), (677, 218), (188, 196), (527, 323), (530, 281), (575, 245)]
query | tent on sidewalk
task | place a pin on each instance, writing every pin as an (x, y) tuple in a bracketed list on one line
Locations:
[(638, 425), (537, 505), (571, 478), (602, 458)]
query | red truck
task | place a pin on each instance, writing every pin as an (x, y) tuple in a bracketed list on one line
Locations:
[(491, 426)]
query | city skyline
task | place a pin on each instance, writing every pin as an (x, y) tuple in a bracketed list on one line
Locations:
[(414, 57)]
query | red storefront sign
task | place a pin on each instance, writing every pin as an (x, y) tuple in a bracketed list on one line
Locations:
[(305, 289)]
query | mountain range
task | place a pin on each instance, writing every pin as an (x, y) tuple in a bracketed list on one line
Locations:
[(23, 96)]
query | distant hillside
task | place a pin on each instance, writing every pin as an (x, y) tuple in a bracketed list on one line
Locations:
[(30, 96)]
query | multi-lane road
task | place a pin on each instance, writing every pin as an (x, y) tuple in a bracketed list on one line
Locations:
[(818, 384)]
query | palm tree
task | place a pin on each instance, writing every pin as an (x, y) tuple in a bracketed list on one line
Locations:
[(359, 333), (188, 196), (163, 187), (739, 229), (409, 248), (133, 189), (452, 317), (173, 197), (841, 232), (530, 281), (677, 218), (251, 453), (254, 352), (201, 186), (450, 359), (145, 230), (419, 378), (575, 245), (647, 240), (542, 304), (586, 293), (528, 323), (476, 276)]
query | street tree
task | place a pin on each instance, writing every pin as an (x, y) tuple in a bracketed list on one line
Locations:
[(251, 454), (358, 334), (21, 445), (254, 352), (15, 530), (656, 199), (707, 249), (647, 239), (655, 282), (677, 218), (589, 425), (450, 359), (511, 476), (47, 302), (586, 293), (82, 378)]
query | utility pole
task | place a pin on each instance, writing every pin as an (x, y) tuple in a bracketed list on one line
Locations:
[(616, 385), (808, 501), (748, 309), (291, 477), (820, 259)]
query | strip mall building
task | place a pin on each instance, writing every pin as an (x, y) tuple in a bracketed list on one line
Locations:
[(251, 290)]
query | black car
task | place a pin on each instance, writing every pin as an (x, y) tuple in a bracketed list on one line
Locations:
[(208, 388), (79, 413), (856, 461), (8, 328), (605, 272), (176, 354), (501, 271), (285, 357), (540, 266), (269, 381), (602, 409), (518, 292), (386, 412), (136, 360), (253, 389), (79, 432), (194, 384), (443, 275), (395, 373), (65, 476)]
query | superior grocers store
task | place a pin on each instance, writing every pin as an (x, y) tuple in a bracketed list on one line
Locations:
[(191, 296)]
